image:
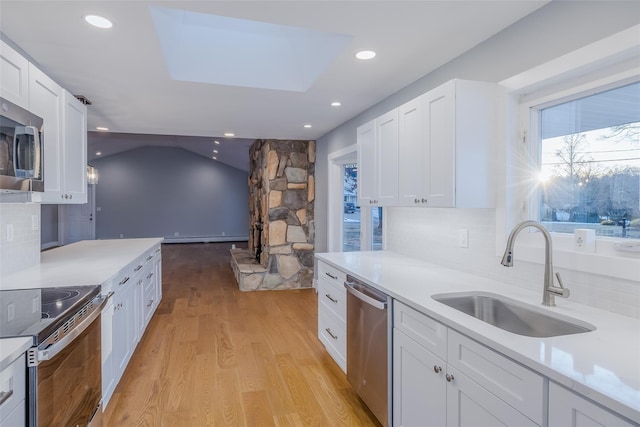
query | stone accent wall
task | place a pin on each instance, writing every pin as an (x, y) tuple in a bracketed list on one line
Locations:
[(281, 208)]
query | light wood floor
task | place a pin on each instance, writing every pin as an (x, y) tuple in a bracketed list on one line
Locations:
[(215, 356)]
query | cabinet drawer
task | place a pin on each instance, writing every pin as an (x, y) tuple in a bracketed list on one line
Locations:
[(12, 381), (333, 297), (332, 333), (428, 332), (331, 274), (518, 386)]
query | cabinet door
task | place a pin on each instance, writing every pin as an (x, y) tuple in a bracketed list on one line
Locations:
[(108, 373), (439, 145), (419, 385), (46, 101), (410, 153), (470, 405), (14, 76), (568, 409), (75, 150), (387, 158), (123, 324), (367, 168)]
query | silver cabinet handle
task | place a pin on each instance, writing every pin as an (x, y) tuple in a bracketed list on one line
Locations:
[(329, 332), (4, 395), (449, 377), (123, 281), (149, 275), (138, 268), (331, 299), (150, 302), (149, 257), (437, 369), (331, 275)]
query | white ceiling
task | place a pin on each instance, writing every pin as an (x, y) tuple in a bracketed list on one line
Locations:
[(124, 73)]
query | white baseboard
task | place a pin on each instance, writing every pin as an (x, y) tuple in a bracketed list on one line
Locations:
[(205, 239)]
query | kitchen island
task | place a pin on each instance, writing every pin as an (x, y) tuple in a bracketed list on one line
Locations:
[(603, 365), (129, 272)]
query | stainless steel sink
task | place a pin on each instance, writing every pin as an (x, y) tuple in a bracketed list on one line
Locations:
[(513, 316)]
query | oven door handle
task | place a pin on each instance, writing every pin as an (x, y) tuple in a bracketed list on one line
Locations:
[(51, 352)]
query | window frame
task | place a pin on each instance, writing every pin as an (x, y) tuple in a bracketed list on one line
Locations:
[(603, 65)]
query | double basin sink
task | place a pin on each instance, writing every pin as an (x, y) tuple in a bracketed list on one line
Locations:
[(513, 316)]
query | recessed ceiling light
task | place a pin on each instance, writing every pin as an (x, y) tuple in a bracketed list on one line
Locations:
[(229, 134), (216, 142), (307, 126), (214, 158), (98, 153), (365, 54), (98, 21), (336, 104), (102, 128), (215, 151)]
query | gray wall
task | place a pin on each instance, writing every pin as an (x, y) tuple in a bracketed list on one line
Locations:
[(160, 191), (552, 31), (49, 224)]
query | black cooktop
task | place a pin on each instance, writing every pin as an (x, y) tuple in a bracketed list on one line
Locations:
[(39, 312)]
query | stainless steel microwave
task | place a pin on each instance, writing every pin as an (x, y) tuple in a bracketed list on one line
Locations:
[(21, 155)]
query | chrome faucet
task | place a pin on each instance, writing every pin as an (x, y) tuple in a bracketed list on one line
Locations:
[(550, 290)]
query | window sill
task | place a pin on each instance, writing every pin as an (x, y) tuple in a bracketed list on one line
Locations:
[(606, 261)]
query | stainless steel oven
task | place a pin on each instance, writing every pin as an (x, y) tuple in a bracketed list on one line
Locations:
[(64, 364)]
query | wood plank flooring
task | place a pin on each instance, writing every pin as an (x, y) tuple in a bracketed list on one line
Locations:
[(215, 356)]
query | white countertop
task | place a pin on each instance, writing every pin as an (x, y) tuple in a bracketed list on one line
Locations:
[(603, 365), (12, 348), (88, 262)]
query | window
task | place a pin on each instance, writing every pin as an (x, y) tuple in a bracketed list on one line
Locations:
[(351, 210), (589, 169), (350, 227)]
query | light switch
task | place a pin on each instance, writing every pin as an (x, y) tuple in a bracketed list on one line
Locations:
[(35, 224)]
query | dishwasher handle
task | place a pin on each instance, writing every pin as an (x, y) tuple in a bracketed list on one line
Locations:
[(352, 288)]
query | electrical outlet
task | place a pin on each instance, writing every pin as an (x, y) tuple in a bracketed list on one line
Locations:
[(121, 236), (223, 233), (464, 238), (11, 312), (176, 234), (35, 223), (10, 233)]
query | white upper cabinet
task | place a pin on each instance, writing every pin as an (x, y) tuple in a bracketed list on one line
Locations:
[(74, 172), (14, 76), (411, 155), (366, 137), (378, 161), (435, 150), (45, 100), (457, 145)]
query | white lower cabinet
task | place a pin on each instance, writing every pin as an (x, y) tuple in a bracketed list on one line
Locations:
[(567, 408), (13, 391), (332, 312), (429, 390), (137, 290)]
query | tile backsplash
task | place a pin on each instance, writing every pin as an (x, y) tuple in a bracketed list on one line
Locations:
[(433, 235), (23, 250)]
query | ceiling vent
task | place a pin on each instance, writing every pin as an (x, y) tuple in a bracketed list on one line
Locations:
[(83, 99)]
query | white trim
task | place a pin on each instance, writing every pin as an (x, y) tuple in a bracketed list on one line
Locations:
[(336, 160), (206, 239), (614, 60)]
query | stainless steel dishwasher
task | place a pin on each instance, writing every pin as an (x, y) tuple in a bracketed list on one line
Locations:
[(368, 349)]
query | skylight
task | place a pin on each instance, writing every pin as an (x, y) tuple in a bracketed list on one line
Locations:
[(213, 49)]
